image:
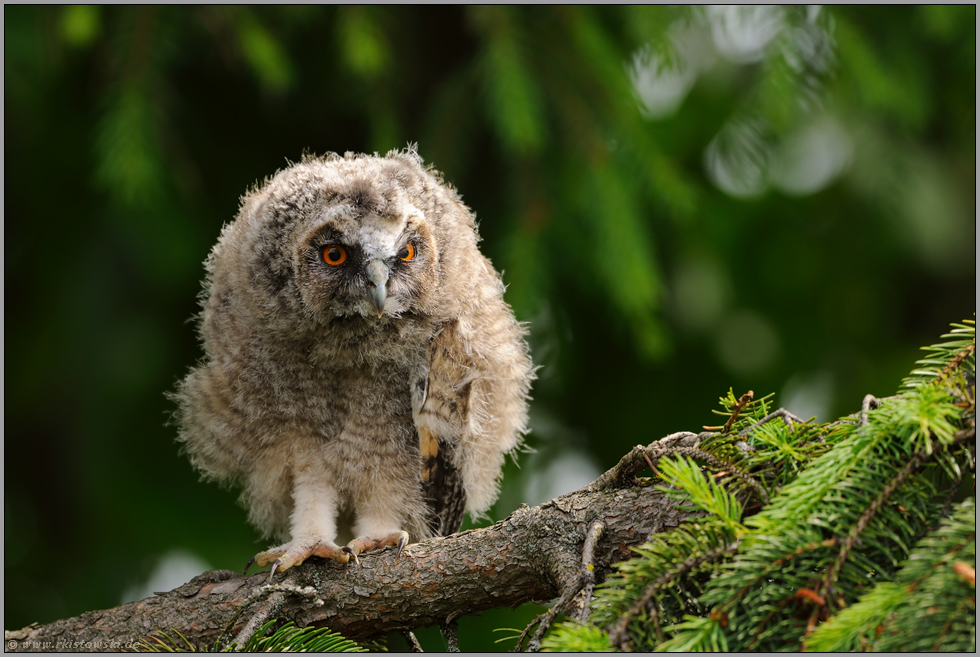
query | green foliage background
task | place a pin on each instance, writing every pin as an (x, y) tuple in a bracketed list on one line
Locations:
[(653, 279)]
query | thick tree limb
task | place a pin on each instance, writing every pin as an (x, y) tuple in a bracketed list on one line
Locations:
[(534, 554)]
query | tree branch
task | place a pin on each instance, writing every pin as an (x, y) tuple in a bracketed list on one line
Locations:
[(535, 554)]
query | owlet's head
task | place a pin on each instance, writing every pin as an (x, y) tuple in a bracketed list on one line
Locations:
[(353, 259), (346, 237)]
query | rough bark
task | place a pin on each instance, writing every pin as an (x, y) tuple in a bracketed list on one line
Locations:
[(535, 554)]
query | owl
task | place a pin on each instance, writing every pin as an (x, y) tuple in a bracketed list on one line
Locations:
[(364, 377)]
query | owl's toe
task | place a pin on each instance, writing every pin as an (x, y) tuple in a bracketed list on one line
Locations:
[(366, 544), (295, 553)]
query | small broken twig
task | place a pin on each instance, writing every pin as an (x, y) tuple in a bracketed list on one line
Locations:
[(739, 405), (786, 416), (413, 643), (268, 609), (869, 404), (451, 633), (584, 583), (588, 568), (261, 615)]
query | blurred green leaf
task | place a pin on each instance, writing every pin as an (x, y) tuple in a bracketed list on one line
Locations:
[(264, 52), (80, 24), (363, 44), (513, 102), (130, 168)]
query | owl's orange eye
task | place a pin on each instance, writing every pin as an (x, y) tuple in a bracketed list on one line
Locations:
[(407, 252), (334, 254)]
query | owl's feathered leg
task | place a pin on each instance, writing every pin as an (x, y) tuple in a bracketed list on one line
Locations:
[(379, 522), (313, 524)]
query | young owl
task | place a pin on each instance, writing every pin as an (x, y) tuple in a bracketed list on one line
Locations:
[(364, 377)]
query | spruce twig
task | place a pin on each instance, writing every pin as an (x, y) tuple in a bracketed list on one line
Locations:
[(617, 633), (913, 464)]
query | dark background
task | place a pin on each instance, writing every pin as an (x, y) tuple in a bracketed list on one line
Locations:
[(682, 201)]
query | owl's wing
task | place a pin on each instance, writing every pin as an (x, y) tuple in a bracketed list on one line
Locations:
[(470, 406), (442, 486), (441, 394)]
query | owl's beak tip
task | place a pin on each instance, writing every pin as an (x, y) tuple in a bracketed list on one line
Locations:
[(377, 274), (378, 297)]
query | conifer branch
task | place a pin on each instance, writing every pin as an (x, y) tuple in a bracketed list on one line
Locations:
[(617, 632), (720, 464), (900, 477), (761, 599)]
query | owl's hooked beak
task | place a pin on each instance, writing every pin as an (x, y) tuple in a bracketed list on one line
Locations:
[(377, 273)]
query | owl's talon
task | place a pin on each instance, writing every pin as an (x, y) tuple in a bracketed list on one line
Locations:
[(353, 555), (402, 542), (247, 566), (272, 571)]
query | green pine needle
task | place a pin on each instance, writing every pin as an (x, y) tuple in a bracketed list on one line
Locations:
[(570, 637), (287, 638), (703, 491), (930, 606)]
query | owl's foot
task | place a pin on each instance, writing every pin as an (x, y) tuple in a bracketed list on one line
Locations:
[(294, 553), (365, 544)]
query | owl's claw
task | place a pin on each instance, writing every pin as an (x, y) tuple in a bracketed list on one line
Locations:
[(353, 555), (365, 544), (402, 542), (272, 571)]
